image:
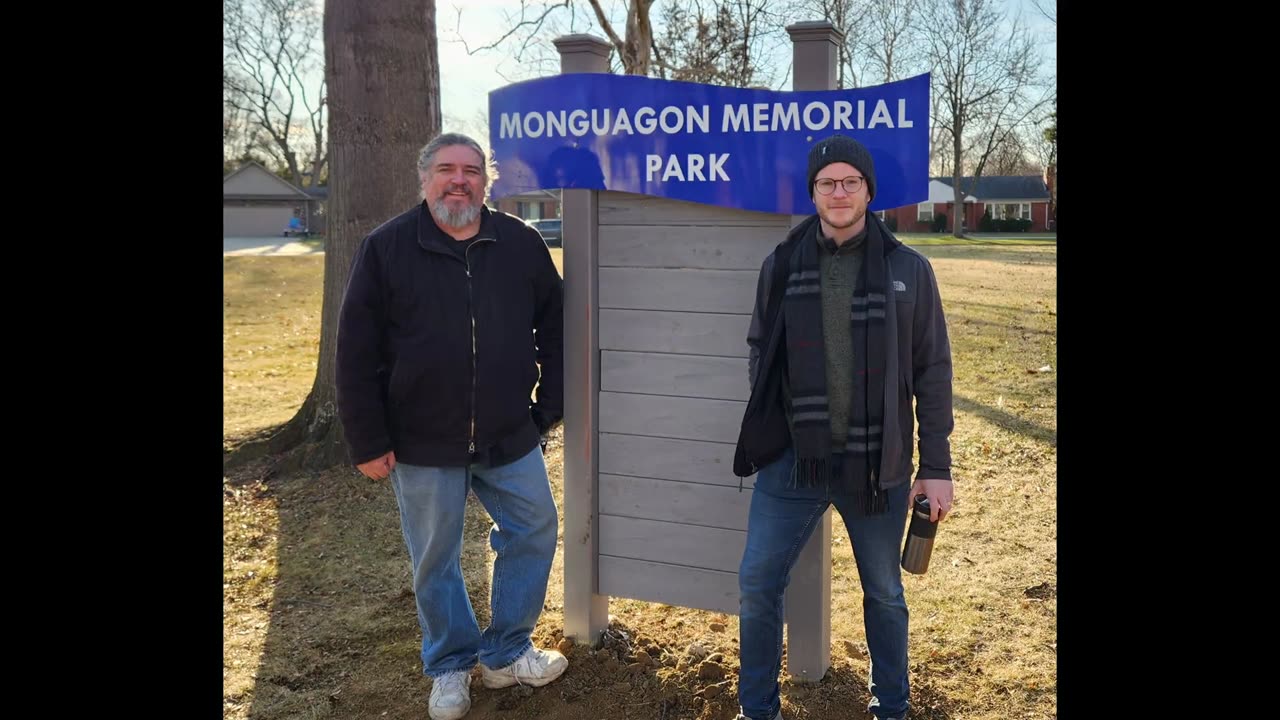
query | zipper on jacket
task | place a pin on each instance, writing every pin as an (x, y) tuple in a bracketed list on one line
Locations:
[(471, 445)]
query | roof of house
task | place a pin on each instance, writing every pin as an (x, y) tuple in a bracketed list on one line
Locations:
[(940, 192), (1002, 187), (286, 189)]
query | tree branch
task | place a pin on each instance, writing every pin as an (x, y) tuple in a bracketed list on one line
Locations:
[(535, 23), (608, 29)]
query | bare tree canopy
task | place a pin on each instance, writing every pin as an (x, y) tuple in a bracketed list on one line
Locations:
[(719, 42), (241, 141), (984, 75), (525, 35), (745, 32), (881, 43), (1047, 8), (1013, 157), (891, 46), (273, 92), (528, 30)]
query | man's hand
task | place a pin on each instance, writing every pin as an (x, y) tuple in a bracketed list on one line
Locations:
[(379, 468), (939, 494)]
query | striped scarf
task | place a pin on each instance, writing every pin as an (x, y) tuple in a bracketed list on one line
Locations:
[(856, 465)]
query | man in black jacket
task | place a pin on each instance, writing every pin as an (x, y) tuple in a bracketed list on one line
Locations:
[(847, 329), (451, 311)]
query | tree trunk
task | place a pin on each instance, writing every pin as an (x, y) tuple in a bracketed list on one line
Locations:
[(957, 215), (383, 75), (635, 55)]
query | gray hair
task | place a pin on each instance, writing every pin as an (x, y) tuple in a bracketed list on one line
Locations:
[(427, 156)]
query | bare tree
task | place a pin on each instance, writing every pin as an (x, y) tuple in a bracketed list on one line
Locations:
[(241, 141), (525, 35), (1013, 157), (1032, 149), (982, 72), (1047, 137), (763, 30), (529, 28), (880, 42), (382, 66), (692, 45), (269, 61), (1045, 144), (1047, 8), (849, 17), (889, 41), (477, 126), (1000, 134), (940, 152), (742, 37), (635, 50), (725, 44)]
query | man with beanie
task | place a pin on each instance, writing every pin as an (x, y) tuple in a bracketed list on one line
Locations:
[(847, 329)]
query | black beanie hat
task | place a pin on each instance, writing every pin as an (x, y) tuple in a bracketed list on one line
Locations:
[(839, 148)]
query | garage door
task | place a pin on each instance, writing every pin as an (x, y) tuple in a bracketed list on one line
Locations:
[(255, 221)]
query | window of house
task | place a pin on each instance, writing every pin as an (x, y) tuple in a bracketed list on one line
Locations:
[(924, 212), (1011, 211)]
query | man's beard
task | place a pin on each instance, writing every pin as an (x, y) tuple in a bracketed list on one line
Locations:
[(857, 215), (455, 218)]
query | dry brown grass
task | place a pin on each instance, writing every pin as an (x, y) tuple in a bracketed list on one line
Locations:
[(270, 338), (319, 619)]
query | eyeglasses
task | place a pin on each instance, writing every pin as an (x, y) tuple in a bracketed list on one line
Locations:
[(851, 185)]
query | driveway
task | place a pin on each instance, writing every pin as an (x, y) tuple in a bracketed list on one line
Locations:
[(267, 246)]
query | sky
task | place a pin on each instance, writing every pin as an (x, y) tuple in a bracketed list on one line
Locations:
[(466, 79)]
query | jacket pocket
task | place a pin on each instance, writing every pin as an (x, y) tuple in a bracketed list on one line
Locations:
[(410, 362)]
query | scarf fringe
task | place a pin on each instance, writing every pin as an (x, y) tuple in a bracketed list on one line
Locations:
[(811, 473), (869, 497)]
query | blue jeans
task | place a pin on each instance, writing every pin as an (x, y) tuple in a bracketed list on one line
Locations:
[(433, 504), (780, 522)]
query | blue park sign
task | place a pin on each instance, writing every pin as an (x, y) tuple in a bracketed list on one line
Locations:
[(732, 147)]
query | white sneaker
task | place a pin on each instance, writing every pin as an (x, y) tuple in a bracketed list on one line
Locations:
[(534, 668), (450, 696), (742, 716)]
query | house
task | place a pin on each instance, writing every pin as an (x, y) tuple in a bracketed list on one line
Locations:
[(1006, 197), (258, 203), (533, 205)]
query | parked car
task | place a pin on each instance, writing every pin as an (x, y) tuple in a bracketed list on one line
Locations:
[(550, 230)]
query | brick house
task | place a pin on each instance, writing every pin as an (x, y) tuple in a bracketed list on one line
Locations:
[(1007, 197)]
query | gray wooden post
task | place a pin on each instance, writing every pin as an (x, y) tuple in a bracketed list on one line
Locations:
[(586, 612), (815, 52)]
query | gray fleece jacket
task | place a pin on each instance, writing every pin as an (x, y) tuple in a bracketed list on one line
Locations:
[(922, 355)]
